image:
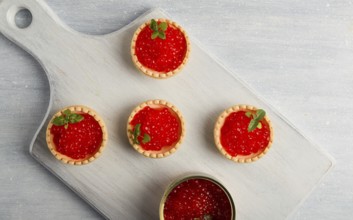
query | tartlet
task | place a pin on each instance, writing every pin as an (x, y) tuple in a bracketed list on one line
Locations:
[(76, 135), (233, 136), (164, 55), (155, 128)]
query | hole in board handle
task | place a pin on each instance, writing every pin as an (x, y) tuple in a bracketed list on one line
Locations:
[(23, 18), (19, 17)]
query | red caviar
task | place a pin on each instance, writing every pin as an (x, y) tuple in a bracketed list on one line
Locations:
[(79, 140), (162, 125), (158, 54), (196, 199), (236, 139)]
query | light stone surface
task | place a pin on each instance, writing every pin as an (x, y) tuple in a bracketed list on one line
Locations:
[(297, 55)]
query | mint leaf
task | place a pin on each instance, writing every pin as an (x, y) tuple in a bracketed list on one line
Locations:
[(146, 138), (161, 35), (163, 26), (74, 118), (259, 125), (66, 118), (255, 122), (154, 25), (67, 112), (79, 118), (252, 125), (260, 114), (137, 132), (204, 217), (158, 29), (248, 114), (207, 217), (154, 35), (59, 121)]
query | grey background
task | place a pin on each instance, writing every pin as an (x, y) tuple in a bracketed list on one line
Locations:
[(298, 55)]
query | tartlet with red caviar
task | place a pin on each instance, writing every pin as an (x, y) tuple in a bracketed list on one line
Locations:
[(243, 133), (76, 135), (160, 48), (155, 128)]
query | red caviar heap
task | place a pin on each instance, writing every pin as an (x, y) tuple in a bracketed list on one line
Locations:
[(197, 199)]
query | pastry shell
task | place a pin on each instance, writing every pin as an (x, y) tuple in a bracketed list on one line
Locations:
[(217, 134), (68, 160), (153, 73), (167, 150)]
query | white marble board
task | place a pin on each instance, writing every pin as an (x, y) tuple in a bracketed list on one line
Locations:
[(97, 71)]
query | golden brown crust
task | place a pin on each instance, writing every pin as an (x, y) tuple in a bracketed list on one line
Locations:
[(66, 159), (217, 134), (152, 73), (166, 151)]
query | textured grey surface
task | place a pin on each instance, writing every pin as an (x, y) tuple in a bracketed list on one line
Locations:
[(297, 55)]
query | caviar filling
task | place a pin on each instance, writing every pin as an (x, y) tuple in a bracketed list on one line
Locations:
[(197, 199), (237, 140), (158, 128), (78, 140), (161, 55)]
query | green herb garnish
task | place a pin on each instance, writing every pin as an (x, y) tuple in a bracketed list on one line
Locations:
[(158, 29), (205, 217), (137, 132), (67, 118), (146, 138), (255, 119)]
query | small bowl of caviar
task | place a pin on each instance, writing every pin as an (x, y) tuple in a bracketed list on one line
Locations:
[(198, 197)]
